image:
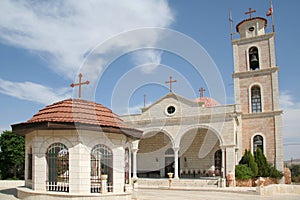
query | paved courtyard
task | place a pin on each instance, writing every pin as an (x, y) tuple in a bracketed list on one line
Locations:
[(147, 194), (155, 194)]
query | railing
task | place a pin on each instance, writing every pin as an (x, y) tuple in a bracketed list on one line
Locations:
[(57, 186), (96, 185)]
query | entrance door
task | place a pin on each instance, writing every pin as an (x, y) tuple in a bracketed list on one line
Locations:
[(169, 165), (169, 161)]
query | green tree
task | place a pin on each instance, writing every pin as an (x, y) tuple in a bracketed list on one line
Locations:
[(243, 172), (12, 151), (249, 160), (262, 164)]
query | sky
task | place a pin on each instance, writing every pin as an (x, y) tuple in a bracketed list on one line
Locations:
[(120, 47)]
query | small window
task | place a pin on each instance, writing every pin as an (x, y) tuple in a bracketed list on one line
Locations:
[(251, 29), (258, 143), (170, 110), (256, 99), (253, 58)]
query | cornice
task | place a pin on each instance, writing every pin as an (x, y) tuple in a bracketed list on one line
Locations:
[(252, 73)]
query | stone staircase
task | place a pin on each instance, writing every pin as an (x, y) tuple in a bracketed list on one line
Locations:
[(178, 183)]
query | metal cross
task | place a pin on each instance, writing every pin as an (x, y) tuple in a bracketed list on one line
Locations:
[(171, 81), (79, 85), (250, 13), (201, 90)]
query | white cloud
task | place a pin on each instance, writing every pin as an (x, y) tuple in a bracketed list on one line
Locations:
[(63, 32), (149, 59), (291, 125), (33, 92)]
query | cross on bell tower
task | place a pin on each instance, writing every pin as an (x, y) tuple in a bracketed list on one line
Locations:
[(79, 85), (170, 82), (250, 13), (202, 90)]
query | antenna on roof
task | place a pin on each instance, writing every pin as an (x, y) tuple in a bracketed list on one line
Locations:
[(231, 21)]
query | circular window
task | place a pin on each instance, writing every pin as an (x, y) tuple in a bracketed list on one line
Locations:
[(251, 29), (171, 110)]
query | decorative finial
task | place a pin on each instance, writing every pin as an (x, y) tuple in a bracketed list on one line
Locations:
[(202, 90), (250, 13), (170, 82), (79, 85)]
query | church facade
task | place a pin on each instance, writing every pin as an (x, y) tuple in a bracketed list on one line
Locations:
[(201, 138)]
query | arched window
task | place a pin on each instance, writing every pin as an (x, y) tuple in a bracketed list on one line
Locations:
[(218, 162), (256, 99), (58, 168), (101, 164), (258, 142), (253, 58)]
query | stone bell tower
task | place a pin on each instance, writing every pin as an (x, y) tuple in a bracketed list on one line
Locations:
[(256, 89)]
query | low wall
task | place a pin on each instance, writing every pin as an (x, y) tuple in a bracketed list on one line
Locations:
[(11, 183), (28, 194), (278, 189)]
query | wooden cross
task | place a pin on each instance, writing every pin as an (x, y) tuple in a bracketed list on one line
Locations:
[(79, 85), (144, 101), (250, 13), (171, 81), (201, 90)]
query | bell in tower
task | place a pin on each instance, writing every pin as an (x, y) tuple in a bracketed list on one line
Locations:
[(253, 55)]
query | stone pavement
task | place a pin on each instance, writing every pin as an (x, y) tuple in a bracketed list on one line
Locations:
[(165, 194)]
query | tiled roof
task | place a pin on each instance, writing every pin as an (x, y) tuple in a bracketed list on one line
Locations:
[(207, 102), (81, 112)]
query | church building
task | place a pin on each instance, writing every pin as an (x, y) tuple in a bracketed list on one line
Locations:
[(80, 148), (195, 138)]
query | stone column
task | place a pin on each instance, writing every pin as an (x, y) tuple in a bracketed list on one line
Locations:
[(134, 153), (223, 163), (176, 169), (230, 162), (134, 150)]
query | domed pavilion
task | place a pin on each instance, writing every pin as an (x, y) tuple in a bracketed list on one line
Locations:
[(76, 147)]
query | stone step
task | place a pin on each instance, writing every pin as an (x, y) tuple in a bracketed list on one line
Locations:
[(177, 183)]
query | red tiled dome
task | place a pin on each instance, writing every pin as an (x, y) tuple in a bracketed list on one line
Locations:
[(79, 111), (207, 102)]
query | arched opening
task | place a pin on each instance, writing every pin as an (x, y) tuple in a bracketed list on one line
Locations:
[(151, 162), (256, 105), (258, 143), (197, 153), (169, 161), (253, 58), (218, 162), (101, 164), (57, 156)]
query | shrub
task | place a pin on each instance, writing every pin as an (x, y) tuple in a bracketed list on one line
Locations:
[(243, 172), (262, 164), (249, 160), (274, 173)]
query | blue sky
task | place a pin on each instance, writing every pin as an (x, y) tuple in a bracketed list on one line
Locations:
[(45, 44)]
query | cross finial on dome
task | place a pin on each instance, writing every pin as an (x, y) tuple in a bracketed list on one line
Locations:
[(79, 85), (202, 90)]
